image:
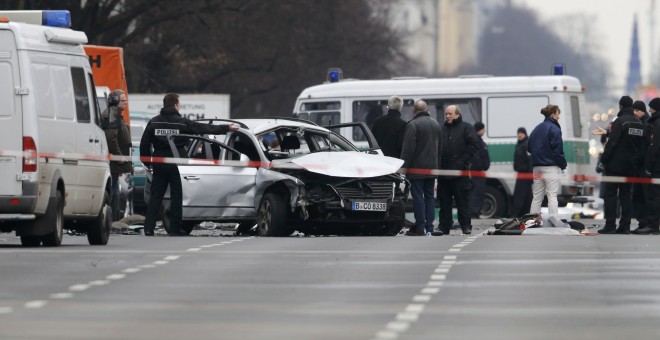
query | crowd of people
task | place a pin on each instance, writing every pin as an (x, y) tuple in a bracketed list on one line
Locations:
[(632, 149)]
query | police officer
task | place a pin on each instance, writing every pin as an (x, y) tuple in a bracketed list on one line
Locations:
[(621, 157), (169, 122)]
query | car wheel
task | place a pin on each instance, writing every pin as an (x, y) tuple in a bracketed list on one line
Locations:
[(494, 203), (271, 216), (98, 231), (54, 239), (30, 241)]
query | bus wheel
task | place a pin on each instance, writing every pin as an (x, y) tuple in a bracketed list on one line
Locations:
[(494, 203)]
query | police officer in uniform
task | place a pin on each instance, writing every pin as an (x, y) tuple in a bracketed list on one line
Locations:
[(169, 122)]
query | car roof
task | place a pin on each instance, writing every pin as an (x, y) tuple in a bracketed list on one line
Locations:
[(259, 125)]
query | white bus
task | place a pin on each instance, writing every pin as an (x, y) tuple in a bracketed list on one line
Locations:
[(503, 104)]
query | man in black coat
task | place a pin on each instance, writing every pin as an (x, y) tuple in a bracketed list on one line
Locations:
[(458, 144), (621, 157), (169, 122), (389, 129), (522, 164), (640, 192), (652, 169), (480, 162)]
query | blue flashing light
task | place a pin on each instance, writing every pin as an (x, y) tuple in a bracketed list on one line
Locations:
[(56, 18), (558, 69), (335, 75)]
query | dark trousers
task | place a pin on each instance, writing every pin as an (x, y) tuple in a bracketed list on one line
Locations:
[(458, 189), (423, 202), (522, 197), (114, 196), (477, 195), (624, 193), (640, 195), (164, 175), (653, 204)]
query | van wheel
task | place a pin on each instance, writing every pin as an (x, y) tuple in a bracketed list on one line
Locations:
[(98, 231), (30, 241), (494, 203), (54, 239), (271, 216)]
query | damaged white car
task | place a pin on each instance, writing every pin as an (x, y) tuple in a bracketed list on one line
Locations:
[(276, 176)]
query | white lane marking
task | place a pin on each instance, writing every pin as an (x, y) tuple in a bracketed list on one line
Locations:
[(194, 249), (438, 277), (407, 316), (447, 263), (441, 270), (450, 257), (115, 276), (147, 266), (131, 270), (35, 304), (435, 283), (226, 242), (454, 249), (218, 244), (415, 308), (387, 335), (421, 298), (460, 245), (79, 287), (98, 282), (6, 310), (61, 295), (398, 326), (171, 257), (161, 262), (207, 246), (430, 290)]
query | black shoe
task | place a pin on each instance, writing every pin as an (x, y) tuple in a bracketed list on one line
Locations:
[(178, 232), (414, 232), (623, 231), (646, 231), (437, 233), (466, 230), (148, 233), (607, 230)]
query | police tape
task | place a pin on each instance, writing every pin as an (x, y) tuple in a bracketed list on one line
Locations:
[(6, 155)]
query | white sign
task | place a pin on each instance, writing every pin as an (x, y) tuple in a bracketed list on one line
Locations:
[(193, 106)]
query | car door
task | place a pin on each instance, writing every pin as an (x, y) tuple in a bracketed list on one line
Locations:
[(371, 140), (214, 189), (11, 125)]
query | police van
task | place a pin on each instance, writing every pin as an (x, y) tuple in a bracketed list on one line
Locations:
[(503, 104), (54, 171)]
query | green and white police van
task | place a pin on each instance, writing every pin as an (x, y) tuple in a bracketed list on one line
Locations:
[(503, 104)]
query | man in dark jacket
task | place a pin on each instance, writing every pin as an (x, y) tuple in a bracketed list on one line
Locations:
[(522, 164), (388, 129), (621, 158), (480, 162), (458, 144), (652, 169), (640, 192), (119, 144), (155, 135), (420, 156)]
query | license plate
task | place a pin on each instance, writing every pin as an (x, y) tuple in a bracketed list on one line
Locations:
[(369, 206)]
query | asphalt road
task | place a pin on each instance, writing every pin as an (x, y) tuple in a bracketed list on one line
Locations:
[(220, 287)]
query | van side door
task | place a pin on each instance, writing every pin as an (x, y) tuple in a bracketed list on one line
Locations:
[(11, 124)]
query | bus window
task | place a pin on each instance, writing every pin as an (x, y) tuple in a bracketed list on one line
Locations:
[(321, 113), (575, 114), (470, 108)]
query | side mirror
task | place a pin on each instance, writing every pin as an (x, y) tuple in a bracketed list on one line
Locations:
[(244, 158)]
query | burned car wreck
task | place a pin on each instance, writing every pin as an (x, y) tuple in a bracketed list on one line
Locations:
[(277, 176)]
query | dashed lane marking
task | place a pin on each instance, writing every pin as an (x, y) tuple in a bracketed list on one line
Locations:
[(79, 287), (35, 304), (6, 310), (115, 276), (61, 296)]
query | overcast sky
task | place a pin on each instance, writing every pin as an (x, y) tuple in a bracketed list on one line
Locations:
[(614, 23)]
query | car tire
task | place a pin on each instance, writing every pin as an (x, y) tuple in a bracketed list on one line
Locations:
[(494, 203), (271, 216), (98, 230), (54, 239), (186, 226)]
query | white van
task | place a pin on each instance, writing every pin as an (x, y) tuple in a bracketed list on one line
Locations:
[(54, 171), (502, 103)]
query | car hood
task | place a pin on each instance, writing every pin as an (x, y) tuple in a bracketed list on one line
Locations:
[(348, 164)]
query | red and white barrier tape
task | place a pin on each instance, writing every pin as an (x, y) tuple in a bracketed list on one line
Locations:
[(433, 172)]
